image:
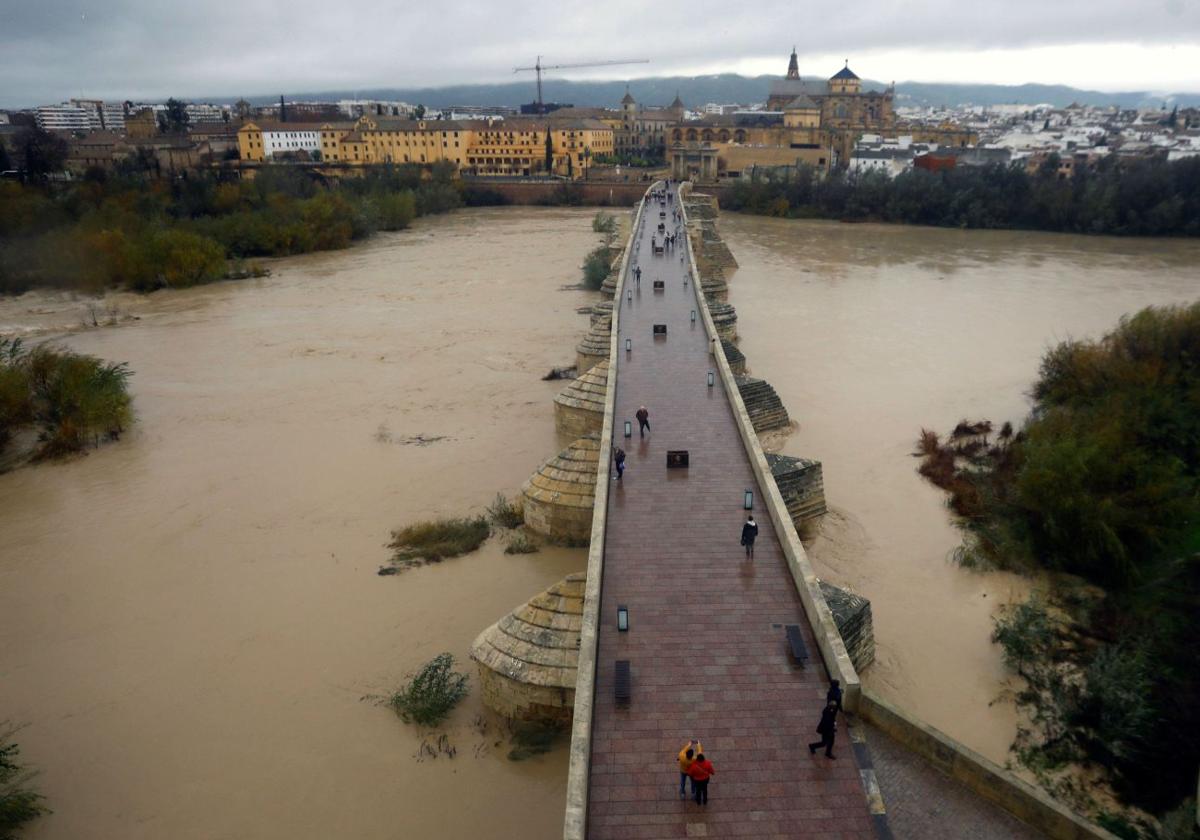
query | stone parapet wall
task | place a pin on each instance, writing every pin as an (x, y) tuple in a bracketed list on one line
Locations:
[(1021, 799)]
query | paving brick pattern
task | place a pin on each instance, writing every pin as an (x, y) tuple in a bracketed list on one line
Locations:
[(706, 642), (925, 804)]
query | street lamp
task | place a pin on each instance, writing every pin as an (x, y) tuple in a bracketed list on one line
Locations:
[(748, 501), (623, 618), (711, 379), (693, 311), (628, 344), (628, 429)]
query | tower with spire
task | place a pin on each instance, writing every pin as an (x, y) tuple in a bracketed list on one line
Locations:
[(793, 67)]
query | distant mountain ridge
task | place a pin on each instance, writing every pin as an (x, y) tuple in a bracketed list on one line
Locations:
[(730, 87)]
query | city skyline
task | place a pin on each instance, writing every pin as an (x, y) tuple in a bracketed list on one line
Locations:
[(133, 49)]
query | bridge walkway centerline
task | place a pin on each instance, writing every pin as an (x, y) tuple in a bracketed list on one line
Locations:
[(706, 641)]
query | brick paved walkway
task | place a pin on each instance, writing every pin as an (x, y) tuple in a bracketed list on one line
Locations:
[(925, 804), (707, 650)]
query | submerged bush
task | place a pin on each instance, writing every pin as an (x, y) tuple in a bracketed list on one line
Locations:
[(431, 693), (19, 803), (520, 544), (437, 539), (596, 266), (75, 400), (504, 513)]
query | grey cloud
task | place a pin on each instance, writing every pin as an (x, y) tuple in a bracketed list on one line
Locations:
[(52, 49)]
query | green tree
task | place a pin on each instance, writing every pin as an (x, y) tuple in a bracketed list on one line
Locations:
[(5, 161), (419, 112), (44, 152), (549, 151), (173, 120)]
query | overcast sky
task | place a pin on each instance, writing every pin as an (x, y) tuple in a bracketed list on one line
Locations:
[(51, 50)]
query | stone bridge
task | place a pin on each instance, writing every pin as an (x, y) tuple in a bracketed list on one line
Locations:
[(706, 640)]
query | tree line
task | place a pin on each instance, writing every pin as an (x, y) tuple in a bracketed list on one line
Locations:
[(126, 229), (1145, 197), (1100, 488)]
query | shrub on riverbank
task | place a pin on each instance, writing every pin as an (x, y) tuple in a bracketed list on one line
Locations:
[(75, 400), (19, 803), (1101, 483), (1135, 198), (432, 692), (128, 230)]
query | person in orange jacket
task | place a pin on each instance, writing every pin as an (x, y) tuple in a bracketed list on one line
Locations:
[(701, 771), (686, 756)]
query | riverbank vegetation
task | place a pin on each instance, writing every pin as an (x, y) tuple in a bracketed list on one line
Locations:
[(1134, 198), (434, 540), (431, 694), (1100, 488), (20, 803), (132, 231), (73, 400)]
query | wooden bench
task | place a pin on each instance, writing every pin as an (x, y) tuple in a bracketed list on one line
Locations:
[(622, 683), (796, 646)]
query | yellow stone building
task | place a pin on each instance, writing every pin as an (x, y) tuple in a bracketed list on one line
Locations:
[(509, 147)]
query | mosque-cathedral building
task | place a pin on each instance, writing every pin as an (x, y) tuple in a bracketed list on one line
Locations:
[(802, 123)]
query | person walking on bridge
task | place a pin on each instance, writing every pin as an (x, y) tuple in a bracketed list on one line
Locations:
[(749, 534), (643, 418), (700, 772), (827, 728), (686, 756), (619, 461)]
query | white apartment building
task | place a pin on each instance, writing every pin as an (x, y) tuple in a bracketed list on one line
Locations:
[(356, 108), (112, 115), (67, 117), (278, 140), (203, 113)]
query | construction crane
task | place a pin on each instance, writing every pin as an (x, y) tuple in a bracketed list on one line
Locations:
[(538, 67)]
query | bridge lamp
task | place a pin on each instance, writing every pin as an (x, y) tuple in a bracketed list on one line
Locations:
[(628, 429), (693, 311), (711, 379), (628, 345), (623, 618), (748, 501)]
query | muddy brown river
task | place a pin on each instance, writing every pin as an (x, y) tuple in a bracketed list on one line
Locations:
[(190, 619), (868, 333)]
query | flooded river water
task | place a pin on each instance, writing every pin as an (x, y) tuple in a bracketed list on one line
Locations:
[(868, 333), (190, 618)]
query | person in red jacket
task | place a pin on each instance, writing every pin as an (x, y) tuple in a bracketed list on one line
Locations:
[(701, 770)]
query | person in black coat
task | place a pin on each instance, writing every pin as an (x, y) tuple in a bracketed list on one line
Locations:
[(834, 695), (827, 728), (749, 533)]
